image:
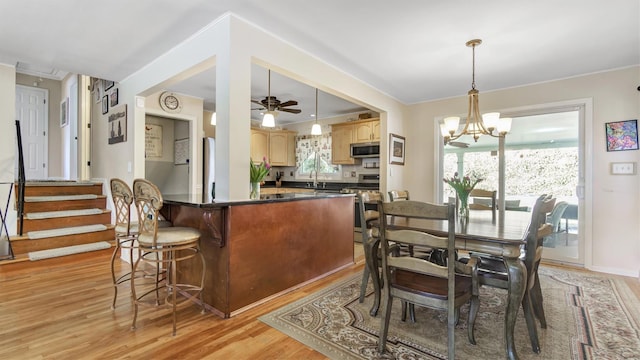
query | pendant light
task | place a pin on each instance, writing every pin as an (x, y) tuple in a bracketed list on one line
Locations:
[(475, 125), (316, 129), (269, 120)]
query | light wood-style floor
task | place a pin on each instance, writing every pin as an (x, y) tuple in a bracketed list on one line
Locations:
[(61, 309)]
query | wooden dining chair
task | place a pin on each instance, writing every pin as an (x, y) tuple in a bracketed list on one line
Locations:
[(395, 195), (419, 281), (370, 241), (492, 270), (165, 247), (484, 195)]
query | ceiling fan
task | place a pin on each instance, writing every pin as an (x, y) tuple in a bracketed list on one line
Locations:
[(271, 103), (458, 144)]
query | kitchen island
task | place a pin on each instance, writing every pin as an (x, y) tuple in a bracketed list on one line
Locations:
[(257, 249)]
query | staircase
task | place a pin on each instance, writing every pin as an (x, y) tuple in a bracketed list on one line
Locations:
[(62, 217)]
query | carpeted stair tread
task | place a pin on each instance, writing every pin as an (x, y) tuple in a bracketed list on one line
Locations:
[(59, 198), (65, 231), (68, 250), (62, 213)]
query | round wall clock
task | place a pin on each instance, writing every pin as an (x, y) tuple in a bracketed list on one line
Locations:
[(170, 102)]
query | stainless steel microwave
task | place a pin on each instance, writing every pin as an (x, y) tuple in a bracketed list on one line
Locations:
[(365, 150)]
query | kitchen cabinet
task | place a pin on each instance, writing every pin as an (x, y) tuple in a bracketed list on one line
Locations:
[(341, 138), (282, 148), (278, 146), (366, 131), (345, 134), (259, 145)]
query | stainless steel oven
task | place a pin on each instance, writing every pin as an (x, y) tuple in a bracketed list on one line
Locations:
[(368, 183)]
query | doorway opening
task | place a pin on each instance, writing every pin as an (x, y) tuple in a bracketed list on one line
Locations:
[(33, 113)]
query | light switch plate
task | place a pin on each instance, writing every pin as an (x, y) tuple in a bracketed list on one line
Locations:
[(623, 168)]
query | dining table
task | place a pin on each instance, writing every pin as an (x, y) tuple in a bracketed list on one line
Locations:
[(479, 233)]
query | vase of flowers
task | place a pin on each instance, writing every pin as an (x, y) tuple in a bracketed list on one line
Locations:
[(257, 173), (462, 187)]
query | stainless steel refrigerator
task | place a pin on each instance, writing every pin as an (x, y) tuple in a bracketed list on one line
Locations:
[(208, 169)]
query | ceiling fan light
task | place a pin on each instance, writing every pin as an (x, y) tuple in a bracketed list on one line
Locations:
[(268, 120), (316, 129), (213, 119)]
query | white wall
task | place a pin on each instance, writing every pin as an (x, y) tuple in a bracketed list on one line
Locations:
[(7, 143), (232, 44), (614, 232)]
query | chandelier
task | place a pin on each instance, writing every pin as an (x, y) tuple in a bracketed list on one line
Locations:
[(475, 125)]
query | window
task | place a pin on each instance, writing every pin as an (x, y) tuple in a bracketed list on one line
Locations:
[(310, 149)]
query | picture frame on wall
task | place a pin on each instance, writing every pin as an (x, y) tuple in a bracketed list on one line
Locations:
[(622, 135), (96, 90), (396, 149), (118, 124), (107, 84), (64, 112), (105, 104), (113, 97)]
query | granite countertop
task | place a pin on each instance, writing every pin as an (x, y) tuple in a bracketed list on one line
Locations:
[(196, 201)]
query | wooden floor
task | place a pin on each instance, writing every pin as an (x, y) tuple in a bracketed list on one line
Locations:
[(61, 309)]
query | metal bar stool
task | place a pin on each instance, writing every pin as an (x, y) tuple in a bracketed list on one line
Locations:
[(126, 231), (163, 246)]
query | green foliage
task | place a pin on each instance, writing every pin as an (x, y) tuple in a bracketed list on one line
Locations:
[(464, 185), (257, 172), (528, 172)]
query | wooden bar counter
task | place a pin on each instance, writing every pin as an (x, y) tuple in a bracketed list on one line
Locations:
[(257, 249)]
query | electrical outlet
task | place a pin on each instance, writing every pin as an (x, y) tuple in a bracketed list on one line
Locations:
[(623, 168), (353, 174)]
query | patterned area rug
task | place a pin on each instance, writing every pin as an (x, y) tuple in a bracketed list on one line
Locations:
[(588, 317)]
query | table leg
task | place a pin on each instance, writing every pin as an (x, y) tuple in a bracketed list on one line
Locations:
[(517, 282)]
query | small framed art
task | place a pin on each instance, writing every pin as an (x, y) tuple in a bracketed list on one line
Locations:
[(113, 97), (118, 124), (622, 135), (396, 149), (107, 84), (105, 104), (64, 112)]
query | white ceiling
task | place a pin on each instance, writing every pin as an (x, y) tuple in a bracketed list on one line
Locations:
[(412, 50)]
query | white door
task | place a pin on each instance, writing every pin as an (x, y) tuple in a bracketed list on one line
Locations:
[(32, 111)]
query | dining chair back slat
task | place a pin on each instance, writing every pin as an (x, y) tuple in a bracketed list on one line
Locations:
[(419, 281)]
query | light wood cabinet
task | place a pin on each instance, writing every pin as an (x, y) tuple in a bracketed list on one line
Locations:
[(282, 148), (278, 146), (259, 145), (342, 136), (345, 134), (366, 131)]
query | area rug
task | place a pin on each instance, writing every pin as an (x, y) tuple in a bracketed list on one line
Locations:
[(588, 317)]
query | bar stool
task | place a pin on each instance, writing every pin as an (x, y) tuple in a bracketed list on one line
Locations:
[(126, 231), (163, 246)]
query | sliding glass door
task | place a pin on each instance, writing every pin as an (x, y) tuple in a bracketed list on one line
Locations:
[(542, 156)]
